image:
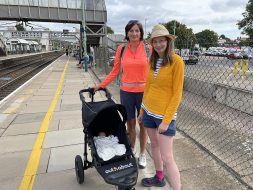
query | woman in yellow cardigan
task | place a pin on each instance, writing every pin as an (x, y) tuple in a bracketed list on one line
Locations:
[(162, 96)]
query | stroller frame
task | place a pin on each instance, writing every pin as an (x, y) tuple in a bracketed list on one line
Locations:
[(121, 171)]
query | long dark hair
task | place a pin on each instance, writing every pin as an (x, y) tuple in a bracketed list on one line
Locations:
[(167, 59), (130, 24)]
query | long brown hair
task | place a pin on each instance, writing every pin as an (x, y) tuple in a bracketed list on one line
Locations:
[(167, 59)]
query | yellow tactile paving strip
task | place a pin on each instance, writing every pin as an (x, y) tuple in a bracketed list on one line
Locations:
[(32, 165)]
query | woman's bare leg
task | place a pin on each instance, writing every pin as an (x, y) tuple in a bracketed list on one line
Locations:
[(166, 149)]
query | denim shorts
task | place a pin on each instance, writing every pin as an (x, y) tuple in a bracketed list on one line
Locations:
[(132, 102), (152, 122)]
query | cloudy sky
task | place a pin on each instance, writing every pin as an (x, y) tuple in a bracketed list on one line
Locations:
[(220, 16)]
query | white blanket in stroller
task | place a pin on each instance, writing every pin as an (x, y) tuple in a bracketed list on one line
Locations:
[(108, 147)]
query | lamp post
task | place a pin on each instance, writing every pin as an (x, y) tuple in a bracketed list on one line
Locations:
[(145, 28), (174, 28), (85, 57)]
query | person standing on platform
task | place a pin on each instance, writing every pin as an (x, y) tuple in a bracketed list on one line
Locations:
[(161, 98), (67, 51), (91, 59), (133, 60)]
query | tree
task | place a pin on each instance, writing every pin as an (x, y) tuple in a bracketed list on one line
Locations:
[(207, 38), (109, 30), (185, 36), (247, 22), (148, 35), (245, 43), (222, 36), (20, 26)]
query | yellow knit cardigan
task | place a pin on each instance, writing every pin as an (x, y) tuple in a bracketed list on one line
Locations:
[(163, 94)]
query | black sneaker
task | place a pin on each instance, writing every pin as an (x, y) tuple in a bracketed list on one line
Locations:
[(153, 181)]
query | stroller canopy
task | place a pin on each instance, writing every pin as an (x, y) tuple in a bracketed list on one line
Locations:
[(99, 116)]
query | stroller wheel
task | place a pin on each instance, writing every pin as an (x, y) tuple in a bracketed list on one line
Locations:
[(125, 188), (79, 169)]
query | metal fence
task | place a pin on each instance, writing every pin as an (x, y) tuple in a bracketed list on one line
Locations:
[(216, 112)]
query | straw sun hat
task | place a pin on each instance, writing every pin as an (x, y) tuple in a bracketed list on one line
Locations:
[(159, 30)]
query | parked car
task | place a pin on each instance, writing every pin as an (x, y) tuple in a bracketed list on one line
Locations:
[(209, 53), (192, 60), (196, 53), (235, 55), (246, 56), (177, 51)]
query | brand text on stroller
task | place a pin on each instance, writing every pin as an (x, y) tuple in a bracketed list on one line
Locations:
[(121, 167)]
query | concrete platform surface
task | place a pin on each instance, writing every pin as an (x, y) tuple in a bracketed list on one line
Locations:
[(22, 121)]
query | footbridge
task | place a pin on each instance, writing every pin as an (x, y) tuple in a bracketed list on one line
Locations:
[(91, 12)]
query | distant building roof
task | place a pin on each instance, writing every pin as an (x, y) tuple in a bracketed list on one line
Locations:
[(33, 43), (17, 40), (22, 41)]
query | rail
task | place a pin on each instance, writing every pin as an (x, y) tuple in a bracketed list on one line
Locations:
[(13, 76)]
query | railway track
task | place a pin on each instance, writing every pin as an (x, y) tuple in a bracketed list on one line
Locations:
[(17, 72)]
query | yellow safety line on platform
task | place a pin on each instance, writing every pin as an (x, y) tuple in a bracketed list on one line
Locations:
[(33, 163)]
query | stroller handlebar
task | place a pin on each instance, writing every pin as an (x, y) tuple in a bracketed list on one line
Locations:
[(92, 93)]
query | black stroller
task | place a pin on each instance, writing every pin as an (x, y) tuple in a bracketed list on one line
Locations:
[(109, 117)]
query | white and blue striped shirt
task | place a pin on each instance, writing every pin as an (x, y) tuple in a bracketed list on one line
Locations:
[(158, 116), (158, 66)]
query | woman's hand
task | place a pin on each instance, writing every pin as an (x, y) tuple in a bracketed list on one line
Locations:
[(95, 88), (162, 127), (140, 118)]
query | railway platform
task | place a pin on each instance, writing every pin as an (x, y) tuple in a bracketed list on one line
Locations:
[(16, 56), (41, 133)]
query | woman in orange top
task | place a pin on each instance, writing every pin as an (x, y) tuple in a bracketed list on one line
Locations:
[(134, 65)]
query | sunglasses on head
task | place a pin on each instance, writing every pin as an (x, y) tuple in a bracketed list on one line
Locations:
[(133, 22)]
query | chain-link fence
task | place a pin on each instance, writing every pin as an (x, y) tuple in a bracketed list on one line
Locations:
[(216, 112), (217, 107)]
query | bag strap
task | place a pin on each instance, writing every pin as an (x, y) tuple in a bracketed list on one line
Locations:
[(122, 52)]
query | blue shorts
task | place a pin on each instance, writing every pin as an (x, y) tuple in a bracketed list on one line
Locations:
[(152, 122), (132, 102)]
